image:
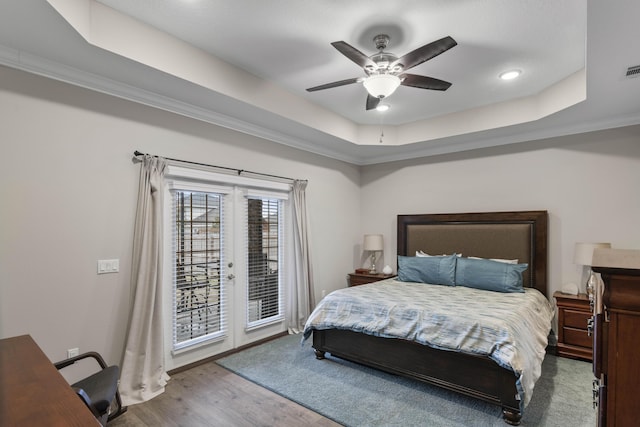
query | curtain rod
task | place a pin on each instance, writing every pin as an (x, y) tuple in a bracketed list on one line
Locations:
[(238, 171)]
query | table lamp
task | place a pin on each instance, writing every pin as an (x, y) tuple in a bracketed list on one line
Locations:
[(583, 255), (373, 243)]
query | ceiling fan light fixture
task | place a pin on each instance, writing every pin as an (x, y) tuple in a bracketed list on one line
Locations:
[(510, 75), (381, 85)]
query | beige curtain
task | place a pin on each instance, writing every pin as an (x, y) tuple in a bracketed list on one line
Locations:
[(143, 374), (300, 295)]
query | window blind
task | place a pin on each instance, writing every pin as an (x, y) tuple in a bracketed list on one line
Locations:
[(264, 259), (199, 301)]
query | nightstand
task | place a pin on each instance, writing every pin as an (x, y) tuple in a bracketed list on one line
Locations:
[(573, 314), (356, 279)]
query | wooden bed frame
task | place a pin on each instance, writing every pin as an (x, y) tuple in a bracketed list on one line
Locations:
[(510, 235)]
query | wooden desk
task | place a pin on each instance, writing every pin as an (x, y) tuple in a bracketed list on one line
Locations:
[(33, 392)]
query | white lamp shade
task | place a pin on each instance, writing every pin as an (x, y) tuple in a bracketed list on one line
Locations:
[(373, 242), (381, 85), (583, 253)]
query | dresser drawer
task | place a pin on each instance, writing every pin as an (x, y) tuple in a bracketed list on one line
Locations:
[(577, 337), (576, 319)]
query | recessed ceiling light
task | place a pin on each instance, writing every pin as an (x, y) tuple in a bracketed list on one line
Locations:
[(510, 75), (383, 107)]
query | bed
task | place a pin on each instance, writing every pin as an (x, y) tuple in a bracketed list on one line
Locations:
[(495, 235)]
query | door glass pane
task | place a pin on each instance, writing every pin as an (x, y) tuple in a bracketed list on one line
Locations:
[(198, 252), (263, 259)]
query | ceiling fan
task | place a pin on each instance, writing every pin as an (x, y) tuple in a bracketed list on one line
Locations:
[(385, 71)]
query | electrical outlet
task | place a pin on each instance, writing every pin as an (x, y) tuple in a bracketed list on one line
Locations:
[(73, 352)]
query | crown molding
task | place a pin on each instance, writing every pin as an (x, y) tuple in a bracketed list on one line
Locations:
[(323, 145), (50, 69)]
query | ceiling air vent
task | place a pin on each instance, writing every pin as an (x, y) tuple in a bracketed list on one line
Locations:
[(633, 71)]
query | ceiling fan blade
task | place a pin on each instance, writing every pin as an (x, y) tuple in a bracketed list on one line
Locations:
[(353, 54), (424, 53), (423, 82), (372, 102), (335, 84)]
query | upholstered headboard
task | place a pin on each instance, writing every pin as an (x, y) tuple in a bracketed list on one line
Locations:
[(508, 235)]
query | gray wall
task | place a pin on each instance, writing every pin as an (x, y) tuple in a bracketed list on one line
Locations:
[(68, 193), (589, 183)]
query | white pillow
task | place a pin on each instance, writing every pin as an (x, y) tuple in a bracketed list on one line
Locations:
[(423, 254), (506, 261)]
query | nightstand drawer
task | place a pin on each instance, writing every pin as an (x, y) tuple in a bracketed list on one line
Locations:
[(577, 337), (356, 279), (360, 280), (573, 314), (576, 319)]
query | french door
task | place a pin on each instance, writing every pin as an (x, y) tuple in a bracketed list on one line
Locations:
[(227, 254)]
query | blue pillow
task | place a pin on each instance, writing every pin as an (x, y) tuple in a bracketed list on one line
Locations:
[(490, 275), (436, 270)]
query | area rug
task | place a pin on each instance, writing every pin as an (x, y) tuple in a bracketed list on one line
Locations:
[(354, 395)]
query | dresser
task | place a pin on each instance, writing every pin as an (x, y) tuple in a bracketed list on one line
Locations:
[(617, 348), (574, 340), (356, 279)]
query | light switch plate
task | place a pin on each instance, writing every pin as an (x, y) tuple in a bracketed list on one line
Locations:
[(108, 266)]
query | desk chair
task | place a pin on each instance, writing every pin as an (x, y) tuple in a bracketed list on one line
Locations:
[(100, 390)]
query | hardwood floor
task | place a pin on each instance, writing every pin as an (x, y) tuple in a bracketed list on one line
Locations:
[(210, 395)]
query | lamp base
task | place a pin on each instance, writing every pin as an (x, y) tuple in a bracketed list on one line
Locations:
[(373, 264)]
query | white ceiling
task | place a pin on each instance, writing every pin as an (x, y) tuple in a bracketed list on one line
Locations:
[(288, 42), (245, 64)]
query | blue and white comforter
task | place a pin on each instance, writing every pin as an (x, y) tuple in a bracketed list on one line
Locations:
[(510, 328)]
